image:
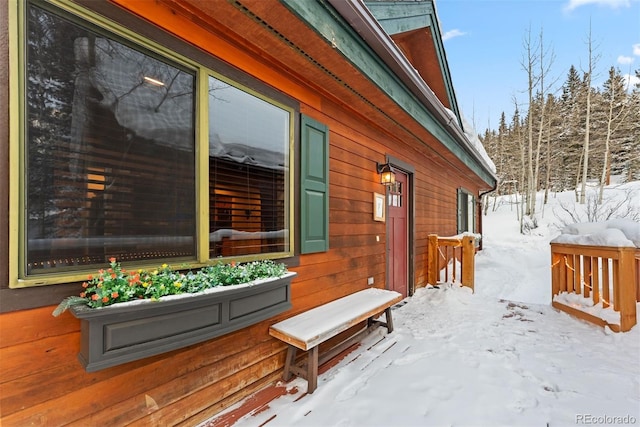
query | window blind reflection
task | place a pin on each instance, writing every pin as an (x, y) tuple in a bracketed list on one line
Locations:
[(109, 152), (248, 158)]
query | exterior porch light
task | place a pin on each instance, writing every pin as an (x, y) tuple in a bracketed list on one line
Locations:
[(387, 174)]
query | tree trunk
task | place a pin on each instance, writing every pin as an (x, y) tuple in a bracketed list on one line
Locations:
[(585, 151), (548, 177), (578, 177), (585, 163)]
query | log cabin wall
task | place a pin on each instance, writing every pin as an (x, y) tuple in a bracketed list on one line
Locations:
[(41, 381)]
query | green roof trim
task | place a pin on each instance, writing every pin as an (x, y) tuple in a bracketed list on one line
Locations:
[(398, 17), (330, 25)]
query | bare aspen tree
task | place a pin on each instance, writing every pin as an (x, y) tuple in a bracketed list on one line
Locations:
[(520, 186), (585, 150), (578, 175), (545, 66), (535, 56), (529, 63)]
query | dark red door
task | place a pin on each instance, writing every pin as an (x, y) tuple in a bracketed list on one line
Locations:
[(398, 237)]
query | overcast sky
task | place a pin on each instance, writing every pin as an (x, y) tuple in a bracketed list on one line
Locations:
[(484, 43)]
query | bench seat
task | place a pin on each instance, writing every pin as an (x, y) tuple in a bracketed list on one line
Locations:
[(306, 331)]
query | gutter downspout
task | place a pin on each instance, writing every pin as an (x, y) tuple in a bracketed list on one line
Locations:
[(360, 18)]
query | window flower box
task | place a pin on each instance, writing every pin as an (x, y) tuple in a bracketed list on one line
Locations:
[(126, 331)]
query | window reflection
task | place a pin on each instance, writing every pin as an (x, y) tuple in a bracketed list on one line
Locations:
[(110, 149), (248, 158)]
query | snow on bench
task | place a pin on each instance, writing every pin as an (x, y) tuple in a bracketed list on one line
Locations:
[(308, 330)]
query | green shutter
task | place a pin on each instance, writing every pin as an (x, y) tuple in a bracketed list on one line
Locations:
[(462, 204), (472, 226), (314, 186)]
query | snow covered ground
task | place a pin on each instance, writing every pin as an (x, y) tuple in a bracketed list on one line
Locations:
[(500, 357)]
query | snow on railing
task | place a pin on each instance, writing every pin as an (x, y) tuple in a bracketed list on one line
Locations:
[(595, 272), (451, 259)]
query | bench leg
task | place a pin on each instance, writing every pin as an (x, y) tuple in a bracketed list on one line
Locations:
[(388, 323), (387, 314), (312, 369), (289, 362), (311, 373)]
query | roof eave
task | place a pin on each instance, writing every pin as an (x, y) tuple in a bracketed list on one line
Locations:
[(356, 13)]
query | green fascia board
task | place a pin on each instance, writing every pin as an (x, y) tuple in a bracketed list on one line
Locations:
[(399, 26), (444, 66), (398, 18), (326, 22)]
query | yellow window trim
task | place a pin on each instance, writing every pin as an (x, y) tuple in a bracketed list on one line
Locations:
[(15, 136)]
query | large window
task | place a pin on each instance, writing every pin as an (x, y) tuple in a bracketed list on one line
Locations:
[(109, 155)]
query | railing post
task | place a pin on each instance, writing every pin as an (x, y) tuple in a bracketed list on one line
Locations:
[(570, 273), (595, 279), (468, 261), (638, 274), (626, 288), (556, 260), (433, 269), (587, 276)]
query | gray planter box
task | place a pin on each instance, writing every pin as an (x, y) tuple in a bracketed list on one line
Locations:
[(130, 331)]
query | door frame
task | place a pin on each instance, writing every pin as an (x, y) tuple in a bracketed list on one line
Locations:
[(409, 170)]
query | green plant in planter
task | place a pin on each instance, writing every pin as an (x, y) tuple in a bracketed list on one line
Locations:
[(115, 284)]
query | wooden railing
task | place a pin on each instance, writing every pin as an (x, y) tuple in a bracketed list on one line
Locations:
[(606, 278), (446, 254)]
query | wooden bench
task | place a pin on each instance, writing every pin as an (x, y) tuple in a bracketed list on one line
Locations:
[(306, 331)]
